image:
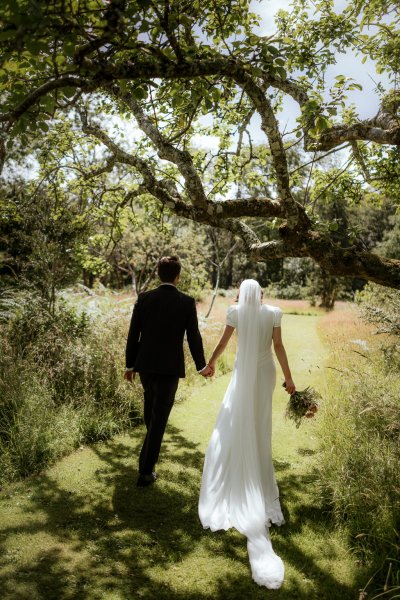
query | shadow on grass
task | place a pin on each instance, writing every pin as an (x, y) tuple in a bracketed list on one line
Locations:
[(305, 451), (105, 543)]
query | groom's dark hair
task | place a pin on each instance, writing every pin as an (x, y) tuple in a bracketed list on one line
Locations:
[(168, 268)]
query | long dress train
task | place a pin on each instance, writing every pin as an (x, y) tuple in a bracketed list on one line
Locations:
[(238, 485)]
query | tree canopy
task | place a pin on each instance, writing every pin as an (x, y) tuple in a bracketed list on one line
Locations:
[(163, 71)]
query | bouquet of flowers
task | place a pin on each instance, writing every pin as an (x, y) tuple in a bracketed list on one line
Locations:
[(301, 404)]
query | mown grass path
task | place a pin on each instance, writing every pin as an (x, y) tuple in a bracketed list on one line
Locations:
[(82, 530)]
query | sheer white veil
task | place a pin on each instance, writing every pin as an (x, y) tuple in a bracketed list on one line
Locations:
[(248, 331), (249, 516), (232, 492)]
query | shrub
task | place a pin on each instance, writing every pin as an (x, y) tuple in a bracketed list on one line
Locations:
[(292, 291), (381, 307), (60, 385), (10, 302), (360, 455)]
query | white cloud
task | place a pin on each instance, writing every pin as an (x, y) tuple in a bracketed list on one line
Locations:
[(206, 142), (267, 9), (123, 131)]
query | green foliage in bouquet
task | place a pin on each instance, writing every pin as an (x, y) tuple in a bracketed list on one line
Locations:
[(302, 404)]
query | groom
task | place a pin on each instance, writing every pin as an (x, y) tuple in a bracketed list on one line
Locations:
[(154, 349)]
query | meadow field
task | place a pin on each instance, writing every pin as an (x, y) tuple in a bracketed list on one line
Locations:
[(81, 528)]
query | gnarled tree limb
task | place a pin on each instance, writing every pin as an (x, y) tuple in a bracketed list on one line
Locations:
[(167, 151), (301, 241), (365, 130), (335, 259), (53, 84)]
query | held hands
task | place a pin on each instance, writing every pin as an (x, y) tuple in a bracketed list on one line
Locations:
[(211, 365), (208, 371)]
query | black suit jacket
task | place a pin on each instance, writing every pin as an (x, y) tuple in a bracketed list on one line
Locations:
[(155, 340)]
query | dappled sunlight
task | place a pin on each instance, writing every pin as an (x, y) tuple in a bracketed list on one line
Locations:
[(93, 532), (83, 529)]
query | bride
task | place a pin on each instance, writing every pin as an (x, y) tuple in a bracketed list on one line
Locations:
[(238, 486)]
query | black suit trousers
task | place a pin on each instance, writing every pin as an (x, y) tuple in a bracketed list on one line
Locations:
[(159, 396)]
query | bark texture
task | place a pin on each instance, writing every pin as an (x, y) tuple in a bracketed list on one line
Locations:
[(99, 65)]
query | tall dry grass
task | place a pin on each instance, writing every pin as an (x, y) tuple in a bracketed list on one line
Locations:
[(359, 466), (60, 386), (61, 382)]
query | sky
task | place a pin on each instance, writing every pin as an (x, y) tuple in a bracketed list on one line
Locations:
[(347, 64)]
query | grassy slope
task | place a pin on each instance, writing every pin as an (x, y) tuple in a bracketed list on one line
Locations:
[(82, 530)]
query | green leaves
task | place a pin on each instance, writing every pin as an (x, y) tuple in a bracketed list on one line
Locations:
[(315, 116), (344, 83), (333, 225), (139, 92), (208, 103), (321, 123), (7, 34), (143, 4), (35, 46)]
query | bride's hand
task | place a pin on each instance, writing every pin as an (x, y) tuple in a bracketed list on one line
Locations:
[(211, 364), (289, 386)]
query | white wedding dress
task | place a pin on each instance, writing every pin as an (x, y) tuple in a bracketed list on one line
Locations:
[(238, 486)]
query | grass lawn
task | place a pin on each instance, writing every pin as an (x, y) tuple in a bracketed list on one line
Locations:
[(82, 530)]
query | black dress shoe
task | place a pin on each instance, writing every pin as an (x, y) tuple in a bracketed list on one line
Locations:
[(146, 480)]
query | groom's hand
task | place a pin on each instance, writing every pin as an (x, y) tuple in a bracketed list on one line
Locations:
[(130, 376), (207, 371)]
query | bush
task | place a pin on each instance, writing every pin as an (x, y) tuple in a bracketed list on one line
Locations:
[(360, 454), (381, 306), (292, 291), (303, 279), (60, 386), (292, 284), (33, 432)]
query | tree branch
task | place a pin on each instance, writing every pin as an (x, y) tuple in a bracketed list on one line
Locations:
[(165, 24), (107, 168), (245, 232), (294, 211), (213, 213), (361, 162), (366, 130), (270, 127), (336, 260), (53, 84), (167, 151)]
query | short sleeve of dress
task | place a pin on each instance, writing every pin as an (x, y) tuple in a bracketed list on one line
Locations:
[(277, 317), (231, 316)]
